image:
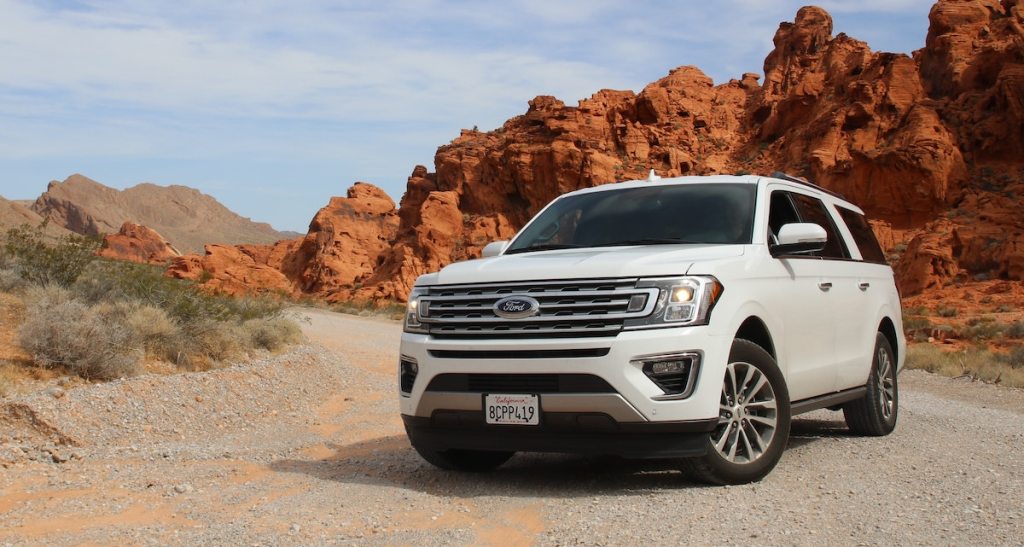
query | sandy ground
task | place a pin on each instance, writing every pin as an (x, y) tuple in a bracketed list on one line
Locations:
[(307, 448)]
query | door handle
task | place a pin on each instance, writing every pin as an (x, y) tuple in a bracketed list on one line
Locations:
[(825, 285), (864, 285)]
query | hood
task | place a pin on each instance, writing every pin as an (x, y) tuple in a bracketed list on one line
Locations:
[(632, 261)]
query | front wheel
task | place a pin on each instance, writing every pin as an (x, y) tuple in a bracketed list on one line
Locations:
[(464, 460), (753, 422), (875, 413)]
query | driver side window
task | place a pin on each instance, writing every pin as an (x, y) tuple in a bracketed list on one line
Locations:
[(780, 212)]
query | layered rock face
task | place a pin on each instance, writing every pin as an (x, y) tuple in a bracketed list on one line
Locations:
[(891, 132), (186, 217), (930, 146), (138, 244)]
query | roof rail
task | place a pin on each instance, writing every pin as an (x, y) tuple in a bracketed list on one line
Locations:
[(805, 182)]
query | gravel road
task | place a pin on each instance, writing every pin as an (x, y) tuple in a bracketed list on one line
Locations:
[(307, 448)]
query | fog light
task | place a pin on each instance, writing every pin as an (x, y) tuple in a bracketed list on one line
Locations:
[(668, 367), (407, 372), (674, 373)]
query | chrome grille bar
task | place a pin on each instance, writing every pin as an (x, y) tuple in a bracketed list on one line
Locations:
[(568, 308)]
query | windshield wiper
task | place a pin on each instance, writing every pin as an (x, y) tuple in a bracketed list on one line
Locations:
[(548, 247), (648, 241)]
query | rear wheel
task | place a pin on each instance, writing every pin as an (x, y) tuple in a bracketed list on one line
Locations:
[(464, 460), (753, 422), (875, 413)]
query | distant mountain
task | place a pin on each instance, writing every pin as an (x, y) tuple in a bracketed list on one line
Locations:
[(186, 217), (16, 213)]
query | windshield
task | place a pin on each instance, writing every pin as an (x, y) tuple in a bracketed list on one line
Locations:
[(717, 213)]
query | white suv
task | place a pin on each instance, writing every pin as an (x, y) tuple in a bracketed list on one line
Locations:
[(684, 318)]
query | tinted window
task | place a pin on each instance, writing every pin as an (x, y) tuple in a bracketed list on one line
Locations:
[(672, 213), (863, 236), (813, 210)]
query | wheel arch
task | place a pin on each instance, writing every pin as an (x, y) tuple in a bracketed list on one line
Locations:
[(888, 329), (755, 330)]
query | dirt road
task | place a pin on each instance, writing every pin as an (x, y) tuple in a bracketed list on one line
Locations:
[(307, 448)]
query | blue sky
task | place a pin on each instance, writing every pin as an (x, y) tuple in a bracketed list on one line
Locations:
[(274, 106)]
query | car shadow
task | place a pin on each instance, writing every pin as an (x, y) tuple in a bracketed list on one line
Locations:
[(804, 431), (392, 461)]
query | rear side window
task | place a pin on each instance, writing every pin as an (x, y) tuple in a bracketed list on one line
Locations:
[(863, 236), (813, 210)]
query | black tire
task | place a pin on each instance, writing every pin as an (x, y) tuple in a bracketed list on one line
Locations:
[(715, 467), (875, 414), (464, 460)]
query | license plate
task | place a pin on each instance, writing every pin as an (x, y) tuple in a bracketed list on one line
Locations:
[(501, 409)]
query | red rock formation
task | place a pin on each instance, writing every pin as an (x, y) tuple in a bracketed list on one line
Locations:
[(345, 243), (930, 146), (138, 243), (238, 269)]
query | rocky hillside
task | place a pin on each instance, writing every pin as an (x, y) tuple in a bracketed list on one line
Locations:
[(930, 145), (14, 214), (186, 217)]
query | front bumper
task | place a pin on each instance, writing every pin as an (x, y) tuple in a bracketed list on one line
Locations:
[(632, 397), (564, 432)]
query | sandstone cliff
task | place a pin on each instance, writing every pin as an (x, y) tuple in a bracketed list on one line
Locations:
[(186, 217), (930, 145)]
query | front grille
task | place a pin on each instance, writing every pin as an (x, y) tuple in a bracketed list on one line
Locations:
[(567, 309), (520, 383)]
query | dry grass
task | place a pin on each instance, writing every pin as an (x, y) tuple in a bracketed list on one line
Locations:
[(976, 364), (369, 308)]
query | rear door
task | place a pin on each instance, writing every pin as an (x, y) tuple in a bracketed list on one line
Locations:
[(874, 283)]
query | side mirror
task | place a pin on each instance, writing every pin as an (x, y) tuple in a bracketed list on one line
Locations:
[(495, 248), (800, 237)]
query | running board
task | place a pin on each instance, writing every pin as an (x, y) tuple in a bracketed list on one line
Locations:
[(824, 401)]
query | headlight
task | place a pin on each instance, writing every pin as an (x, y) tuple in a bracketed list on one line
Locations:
[(413, 311), (681, 301)]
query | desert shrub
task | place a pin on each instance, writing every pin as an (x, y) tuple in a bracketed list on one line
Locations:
[(1015, 358), (914, 323), (1015, 330), (42, 263), (93, 343), (115, 280), (11, 280), (1003, 308), (217, 340), (154, 328), (369, 308), (976, 364), (944, 311), (983, 330), (272, 333)]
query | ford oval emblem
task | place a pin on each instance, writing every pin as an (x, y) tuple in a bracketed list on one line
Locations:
[(516, 307)]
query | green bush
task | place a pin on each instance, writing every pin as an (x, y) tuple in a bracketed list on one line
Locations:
[(62, 331), (943, 311), (41, 263)]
